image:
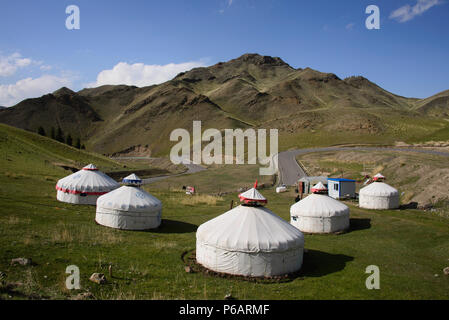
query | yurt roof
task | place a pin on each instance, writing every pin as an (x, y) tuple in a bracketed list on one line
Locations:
[(379, 175), (132, 179), (318, 205), (319, 187), (379, 189), (128, 198), (250, 229), (91, 167), (90, 181), (252, 194)]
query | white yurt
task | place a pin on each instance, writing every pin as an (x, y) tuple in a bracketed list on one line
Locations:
[(84, 186), (378, 195), (250, 240), (319, 213), (129, 207)]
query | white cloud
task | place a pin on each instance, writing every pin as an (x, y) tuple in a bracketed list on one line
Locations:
[(139, 74), (10, 64), (45, 67), (11, 94), (407, 12)]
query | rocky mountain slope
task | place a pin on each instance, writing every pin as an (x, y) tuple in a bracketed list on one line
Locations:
[(307, 106)]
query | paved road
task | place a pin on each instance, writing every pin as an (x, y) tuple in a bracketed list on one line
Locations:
[(191, 168), (290, 171)]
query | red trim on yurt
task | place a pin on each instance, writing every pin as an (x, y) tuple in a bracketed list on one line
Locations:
[(88, 169), (79, 192), (246, 200)]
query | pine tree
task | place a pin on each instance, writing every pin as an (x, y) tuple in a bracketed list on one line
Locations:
[(53, 134), (69, 140), (60, 135), (78, 143), (41, 131)]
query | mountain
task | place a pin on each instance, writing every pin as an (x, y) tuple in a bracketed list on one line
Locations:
[(436, 105), (307, 106)]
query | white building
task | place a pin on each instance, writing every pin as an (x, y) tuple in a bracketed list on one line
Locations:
[(378, 195), (129, 207), (250, 240), (84, 186), (319, 213), (339, 188)]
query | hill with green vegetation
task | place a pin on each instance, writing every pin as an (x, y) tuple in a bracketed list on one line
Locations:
[(310, 108)]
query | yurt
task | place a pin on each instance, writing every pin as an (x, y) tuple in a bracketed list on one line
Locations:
[(319, 213), (378, 195), (84, 186), (129, 207), (250, 240)]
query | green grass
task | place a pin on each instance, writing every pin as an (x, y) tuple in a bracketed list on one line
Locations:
[(409, 246)]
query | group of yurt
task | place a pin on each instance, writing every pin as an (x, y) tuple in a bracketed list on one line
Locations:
[(125, 207), (248, 240)]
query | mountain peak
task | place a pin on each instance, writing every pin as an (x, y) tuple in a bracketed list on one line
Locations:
[(258, 59), (63, 91)]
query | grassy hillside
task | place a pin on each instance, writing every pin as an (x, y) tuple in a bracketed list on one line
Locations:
[(410, 247), (420, 178), (250, 91)]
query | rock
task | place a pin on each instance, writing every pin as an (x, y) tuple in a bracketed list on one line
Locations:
[(83, 296), (98, 278), (21, 261), (2, 275), (436, 275), (229, 297), (188, 269), (446, 271)]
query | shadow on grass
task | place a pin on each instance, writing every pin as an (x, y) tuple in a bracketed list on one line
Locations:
[(174, 226), (356, 224), (317, 263), (410, 205)]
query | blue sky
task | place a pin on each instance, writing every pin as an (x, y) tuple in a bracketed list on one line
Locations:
[(144, 42)]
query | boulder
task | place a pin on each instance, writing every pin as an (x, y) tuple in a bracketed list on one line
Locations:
[(21, 261), (98, 278)]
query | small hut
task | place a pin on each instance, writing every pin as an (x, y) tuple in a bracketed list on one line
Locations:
[(305, 184), (84, 186), (129, 207), (319, 213), (378, 195), (250, 240), (340, 188)]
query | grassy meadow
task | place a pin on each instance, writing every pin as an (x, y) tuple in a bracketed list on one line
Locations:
[(411, 247)]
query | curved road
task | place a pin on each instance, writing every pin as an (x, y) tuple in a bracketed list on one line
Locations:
[(191, 168), (290, 171)]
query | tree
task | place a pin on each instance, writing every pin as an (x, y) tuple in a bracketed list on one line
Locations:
[(60, 135), (78, 143), (69, 140), (83, 147), (41, 131), (53, 134)]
